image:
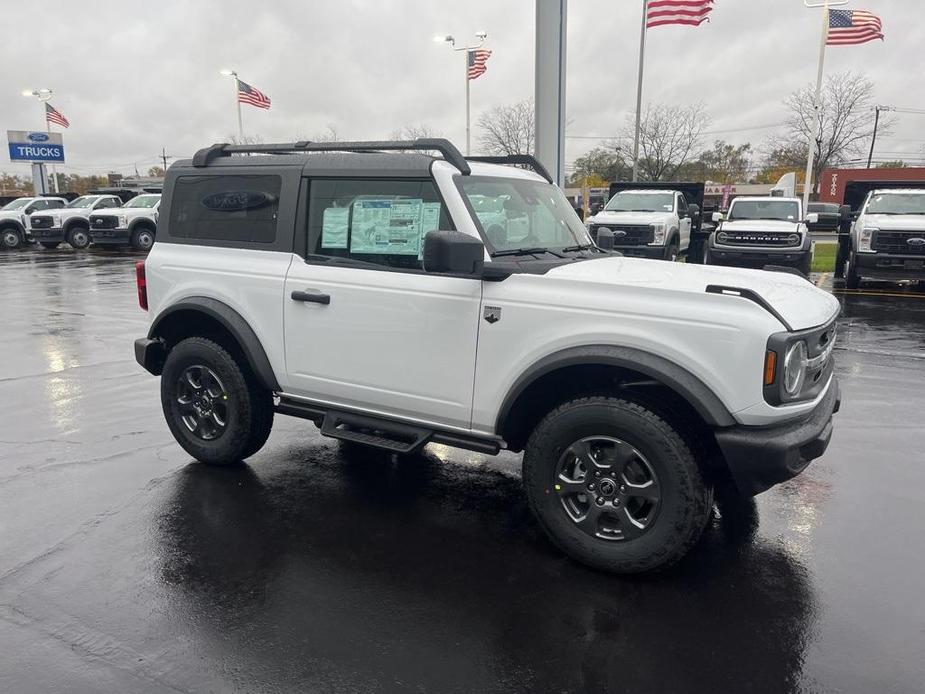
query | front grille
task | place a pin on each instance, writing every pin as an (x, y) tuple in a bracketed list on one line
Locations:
[(104, 222), (627, 234), (41, 222), (897, 242), (751, 238)]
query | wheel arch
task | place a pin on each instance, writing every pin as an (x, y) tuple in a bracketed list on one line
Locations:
[(207, 317), (142, 223), (12, 224), (71, 224), (602, 367)]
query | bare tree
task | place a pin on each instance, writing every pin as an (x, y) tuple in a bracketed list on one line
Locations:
[(246, 140), (847, 116), (669, 137), (414, 132), (508, 129)]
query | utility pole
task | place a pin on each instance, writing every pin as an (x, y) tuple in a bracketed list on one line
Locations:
[(873, 141), (165, 157)]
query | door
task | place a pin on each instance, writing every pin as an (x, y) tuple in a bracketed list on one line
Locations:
[(366, 328), (684, 222)]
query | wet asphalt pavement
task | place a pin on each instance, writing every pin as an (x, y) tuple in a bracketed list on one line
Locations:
[(126, 567)]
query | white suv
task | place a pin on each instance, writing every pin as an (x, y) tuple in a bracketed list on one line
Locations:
[(356, 287)]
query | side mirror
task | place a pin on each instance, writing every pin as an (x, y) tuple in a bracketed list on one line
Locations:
[(718, 217), (812, 218), (694, 211), (605, 239), (453, 252), (29, 210), (844, 212)]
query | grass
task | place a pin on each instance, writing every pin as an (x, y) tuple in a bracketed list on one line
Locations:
[(824, 257)]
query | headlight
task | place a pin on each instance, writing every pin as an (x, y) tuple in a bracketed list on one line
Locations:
[(123, 221), (659, 230), (795, 368), (722, 237), (865, 237), (793, 239)]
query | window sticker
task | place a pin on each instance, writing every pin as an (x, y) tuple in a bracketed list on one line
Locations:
[(334, 227), (430, 221), (391, 227)]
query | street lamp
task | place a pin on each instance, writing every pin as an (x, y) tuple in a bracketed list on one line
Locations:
[(44, 95), (237, 90), (449, 40)]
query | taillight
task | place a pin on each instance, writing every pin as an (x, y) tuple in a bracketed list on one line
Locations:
[(142, 284)]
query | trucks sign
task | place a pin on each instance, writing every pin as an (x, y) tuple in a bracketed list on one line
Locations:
[(35, 146)]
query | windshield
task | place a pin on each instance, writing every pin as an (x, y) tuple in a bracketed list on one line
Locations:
[(897, 203), (780, 210), (17, 204), (143, 201), (641, 202), (83, 201), (517, 214)]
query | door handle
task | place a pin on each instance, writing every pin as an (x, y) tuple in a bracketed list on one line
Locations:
[(312, 296)]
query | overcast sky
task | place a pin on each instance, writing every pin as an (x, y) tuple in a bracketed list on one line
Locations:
[(133, 77)]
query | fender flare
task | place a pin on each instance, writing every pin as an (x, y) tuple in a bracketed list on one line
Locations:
[(143, 222), (235, 324), (14, 224), (76, 222), (675, 377)]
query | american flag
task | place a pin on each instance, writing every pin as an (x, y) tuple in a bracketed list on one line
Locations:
[(689, 12), (849, 27), (53, 115), (253, 96), (477, 60)]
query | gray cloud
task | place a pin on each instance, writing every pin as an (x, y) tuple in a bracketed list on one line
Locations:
[(133, 78)]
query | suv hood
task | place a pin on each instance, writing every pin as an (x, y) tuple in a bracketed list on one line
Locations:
[(800, 303), (908, 222), (761, 225), (630, 218)]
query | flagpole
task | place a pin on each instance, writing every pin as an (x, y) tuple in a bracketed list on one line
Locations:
[(54, 168), (817, 105), (642, 59), (468, 126), (237, 100)]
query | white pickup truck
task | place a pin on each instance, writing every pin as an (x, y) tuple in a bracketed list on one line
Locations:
[(135, 223), (71, 224), (647, 223), (14, 218)]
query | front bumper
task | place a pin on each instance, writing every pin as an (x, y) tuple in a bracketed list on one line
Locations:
[(890, 267), (761, 457), (110, 236), (792, 257), (52, 235), (653, 252)]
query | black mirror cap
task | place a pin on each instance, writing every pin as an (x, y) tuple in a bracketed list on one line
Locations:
[(694, 211), (453, 252), (605, 239)]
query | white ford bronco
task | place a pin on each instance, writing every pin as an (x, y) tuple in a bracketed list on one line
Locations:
[(762, 231), (72, 223), (135, 223), (353, 285)]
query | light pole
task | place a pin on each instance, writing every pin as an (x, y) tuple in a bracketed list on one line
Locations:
[(44, 95), (873, 141), (237, 101), (448, 39)]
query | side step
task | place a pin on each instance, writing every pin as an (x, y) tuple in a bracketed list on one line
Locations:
[(389, 436)]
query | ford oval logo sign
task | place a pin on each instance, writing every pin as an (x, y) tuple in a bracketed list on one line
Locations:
[(916, 242), (236, 201), (38, 137)]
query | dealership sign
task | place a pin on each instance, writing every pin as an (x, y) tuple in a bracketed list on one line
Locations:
[(35, 146)]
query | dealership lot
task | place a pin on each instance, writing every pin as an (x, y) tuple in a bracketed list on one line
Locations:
[(127, 567)]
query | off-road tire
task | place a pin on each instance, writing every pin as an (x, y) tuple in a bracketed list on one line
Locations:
[(49, 245), (249, 406), (79, 237), (686, 497), (852, 278), (142, 239), (10, 238)]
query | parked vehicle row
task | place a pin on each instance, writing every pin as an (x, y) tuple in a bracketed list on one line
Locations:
[(96, 218)]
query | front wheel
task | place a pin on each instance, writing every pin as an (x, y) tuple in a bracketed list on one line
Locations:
[(852, 278), (806, 265), (615, 486), (78, 237), (10, 238), (672, 252), (142, 239), (214, 408)]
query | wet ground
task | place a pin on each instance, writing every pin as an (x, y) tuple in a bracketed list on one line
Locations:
[(126, 567)]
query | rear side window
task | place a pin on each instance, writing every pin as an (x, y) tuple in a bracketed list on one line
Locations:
[(226, 208), (380, 222)]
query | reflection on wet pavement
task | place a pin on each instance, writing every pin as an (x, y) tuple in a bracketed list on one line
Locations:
[(124, 566)]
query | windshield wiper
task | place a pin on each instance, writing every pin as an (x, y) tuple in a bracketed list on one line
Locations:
[(573, 249), (524, 251)]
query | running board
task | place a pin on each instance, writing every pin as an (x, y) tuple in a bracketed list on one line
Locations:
[(379, 432)]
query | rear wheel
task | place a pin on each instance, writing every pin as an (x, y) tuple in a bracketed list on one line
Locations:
[(615, 485), (78, 237), (214, 408), (10, 238), (48, 244), (852, 278), (142, 239)]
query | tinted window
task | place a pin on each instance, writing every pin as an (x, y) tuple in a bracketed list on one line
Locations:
[(381, 222), (682, 206), (108, 203), (225, 208)]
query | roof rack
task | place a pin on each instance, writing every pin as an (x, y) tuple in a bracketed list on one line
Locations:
[(522, 159), (206, 156)]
